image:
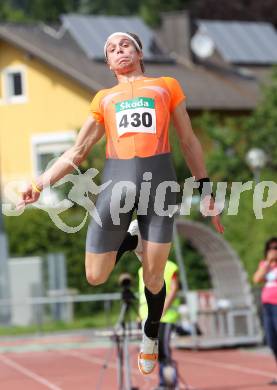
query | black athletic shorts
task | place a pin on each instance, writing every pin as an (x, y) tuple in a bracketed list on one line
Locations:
[(146, 185)]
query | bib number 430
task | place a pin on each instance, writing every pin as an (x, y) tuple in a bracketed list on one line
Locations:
[(136, 119), (136, 115)]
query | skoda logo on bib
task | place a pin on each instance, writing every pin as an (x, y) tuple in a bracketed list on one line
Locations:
[(136, 116)]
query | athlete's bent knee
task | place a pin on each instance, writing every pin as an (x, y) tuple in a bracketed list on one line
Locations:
[(154, 283), (95, 279), (98, 268)]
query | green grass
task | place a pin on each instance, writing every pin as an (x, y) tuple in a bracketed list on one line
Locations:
[(97, 320)]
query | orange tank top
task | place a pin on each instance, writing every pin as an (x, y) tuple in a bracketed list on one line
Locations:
[(136, 116)]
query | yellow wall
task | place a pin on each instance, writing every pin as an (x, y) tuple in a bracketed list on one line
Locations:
[(54, 104)]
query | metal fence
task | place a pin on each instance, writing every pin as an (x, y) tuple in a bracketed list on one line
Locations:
[(59, 306)]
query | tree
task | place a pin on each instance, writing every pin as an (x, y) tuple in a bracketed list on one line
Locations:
[(265, 10), (50, 10), (227, 146), (9, 13), (108, 7), (262, 125), (148, 9), (230, 139), (31, 10)]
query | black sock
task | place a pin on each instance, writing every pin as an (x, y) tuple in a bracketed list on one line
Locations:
[(129, 243), (155, 303)]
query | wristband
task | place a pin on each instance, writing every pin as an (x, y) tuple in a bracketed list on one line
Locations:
[(35, 188), (208, 187)]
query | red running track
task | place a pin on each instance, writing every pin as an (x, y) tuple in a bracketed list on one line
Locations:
[(80, 369)]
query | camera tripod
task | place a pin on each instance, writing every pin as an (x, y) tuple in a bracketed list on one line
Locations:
[(120, 337)]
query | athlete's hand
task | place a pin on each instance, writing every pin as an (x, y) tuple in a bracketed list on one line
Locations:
[(30, 195), (271, 257), (209, 204)]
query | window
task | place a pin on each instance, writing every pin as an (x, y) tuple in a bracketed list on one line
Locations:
[(46, 147), (15, 85)]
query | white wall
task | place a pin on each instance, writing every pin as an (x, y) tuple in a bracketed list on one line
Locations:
[(26, 281)]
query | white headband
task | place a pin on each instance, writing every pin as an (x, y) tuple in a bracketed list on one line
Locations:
[(120, 33)]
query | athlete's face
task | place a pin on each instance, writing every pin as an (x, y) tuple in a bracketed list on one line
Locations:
[(122, 55)]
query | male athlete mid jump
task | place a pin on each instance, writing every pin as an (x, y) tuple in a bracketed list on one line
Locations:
[(134, 115)]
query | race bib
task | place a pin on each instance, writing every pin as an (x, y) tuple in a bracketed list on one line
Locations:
[(136, 116)]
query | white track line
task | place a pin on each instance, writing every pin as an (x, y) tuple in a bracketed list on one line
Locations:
[(87, 358), (9, 362), (95, 360), (228, 366)]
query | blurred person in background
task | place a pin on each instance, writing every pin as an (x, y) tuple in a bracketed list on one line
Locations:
[(168, 375), (267, 274)]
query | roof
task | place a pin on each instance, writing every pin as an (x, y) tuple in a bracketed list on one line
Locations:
[(243, 42), (206, 87), (91, 31)]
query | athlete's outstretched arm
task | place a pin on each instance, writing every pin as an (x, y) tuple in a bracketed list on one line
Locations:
[(190, 144), (89, 135), (193, 152)]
